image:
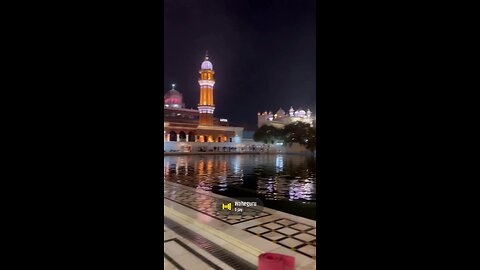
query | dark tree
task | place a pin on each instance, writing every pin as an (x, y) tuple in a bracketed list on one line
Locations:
[(300, 133), (311, 143), (268, 134)]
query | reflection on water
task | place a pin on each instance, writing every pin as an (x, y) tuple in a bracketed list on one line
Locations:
[(272, 177)]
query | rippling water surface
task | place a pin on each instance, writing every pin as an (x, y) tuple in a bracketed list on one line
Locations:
[(274, 178)]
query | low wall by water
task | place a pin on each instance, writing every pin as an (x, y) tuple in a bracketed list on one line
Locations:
[(216, 147), (201, 146), (231, 148), (213, 153)]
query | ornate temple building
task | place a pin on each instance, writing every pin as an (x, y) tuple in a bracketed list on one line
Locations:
[(281, 118), (190, 128)]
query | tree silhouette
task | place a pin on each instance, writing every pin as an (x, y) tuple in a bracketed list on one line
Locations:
[(297, 132), (268, 134), (300, 133)]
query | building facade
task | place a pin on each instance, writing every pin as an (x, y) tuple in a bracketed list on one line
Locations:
[(197, 128), (280, 119)]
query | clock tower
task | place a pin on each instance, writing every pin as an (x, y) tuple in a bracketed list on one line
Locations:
[(206, 106)]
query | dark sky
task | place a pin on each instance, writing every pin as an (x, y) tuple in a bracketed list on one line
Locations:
[(263, 53)]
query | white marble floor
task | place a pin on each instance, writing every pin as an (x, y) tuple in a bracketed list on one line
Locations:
[(270, 231)]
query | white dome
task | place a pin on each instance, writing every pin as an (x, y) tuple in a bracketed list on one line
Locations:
[(207, 65), (300, 113)]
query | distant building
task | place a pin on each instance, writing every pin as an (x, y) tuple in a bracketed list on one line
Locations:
[(280, 119), (175, 111), (182, 125)]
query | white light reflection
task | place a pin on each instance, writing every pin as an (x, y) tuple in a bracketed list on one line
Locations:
[(301, 190), (236, 165), (279, 163)]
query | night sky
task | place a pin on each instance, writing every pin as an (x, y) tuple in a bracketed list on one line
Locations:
[(263, 53)]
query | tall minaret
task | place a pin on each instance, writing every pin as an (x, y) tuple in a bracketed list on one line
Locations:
[(206, 107)]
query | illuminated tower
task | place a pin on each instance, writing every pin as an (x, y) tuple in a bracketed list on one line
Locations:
[(206, 107)]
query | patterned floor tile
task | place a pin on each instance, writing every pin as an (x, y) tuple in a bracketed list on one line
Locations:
[(301, 227), (309, 250), (305, 237), (290, 242), (285, 221), (287, 231), (258, 230), (272, 226), (273, 236)]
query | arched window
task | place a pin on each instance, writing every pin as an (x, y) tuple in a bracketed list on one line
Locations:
[(183, 136), (173, 136), (191, 137)]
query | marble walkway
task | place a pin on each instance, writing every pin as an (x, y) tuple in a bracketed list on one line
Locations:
[(245, 236)]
